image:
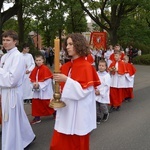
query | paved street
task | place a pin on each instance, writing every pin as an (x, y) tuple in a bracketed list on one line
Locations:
[(128, 129)]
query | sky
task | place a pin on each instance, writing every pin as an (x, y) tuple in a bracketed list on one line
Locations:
[(8, 5)]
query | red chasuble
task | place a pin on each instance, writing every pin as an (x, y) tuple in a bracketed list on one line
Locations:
[(81, 71), (41, 107)]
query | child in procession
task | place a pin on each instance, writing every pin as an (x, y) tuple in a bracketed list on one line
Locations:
[(129, 79), (117, 70), (41, 78), (30, 64), (102, 92), (78, 78)]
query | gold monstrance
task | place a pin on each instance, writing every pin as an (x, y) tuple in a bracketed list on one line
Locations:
[(56, 102)]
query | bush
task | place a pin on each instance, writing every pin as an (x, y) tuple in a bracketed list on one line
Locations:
[(145, 48), (142, 60)]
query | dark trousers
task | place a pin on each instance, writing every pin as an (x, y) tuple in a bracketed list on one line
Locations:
[(51, 60)]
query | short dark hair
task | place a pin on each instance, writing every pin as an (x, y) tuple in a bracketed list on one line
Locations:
[(117, 52), (80, 44), (10, 33), (40, 55), (25, 45)]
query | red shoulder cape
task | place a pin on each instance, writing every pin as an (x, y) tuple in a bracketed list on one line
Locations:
[(89, 58), (81, 71), (130, 69), (121, 67), (44, 73), (113, 59)]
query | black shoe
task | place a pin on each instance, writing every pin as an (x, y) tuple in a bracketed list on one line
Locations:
[(105, 117), (112, 108), (118, 108), (30, 101), (129, 100), (54, 115), (98, 120), (25, 101)]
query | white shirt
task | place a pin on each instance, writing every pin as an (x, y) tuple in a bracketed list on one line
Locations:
[(79, 115), (104, 88), (45, 90), (129, 80), (107, 56), (117, 80)]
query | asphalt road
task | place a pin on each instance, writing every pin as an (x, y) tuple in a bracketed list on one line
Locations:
[(128, 129)]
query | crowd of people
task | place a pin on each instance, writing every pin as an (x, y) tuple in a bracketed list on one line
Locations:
[(118, 80), (98, 82), (104, 54), (48, 54)]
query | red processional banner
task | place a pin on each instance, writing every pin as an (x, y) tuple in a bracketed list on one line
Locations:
[(98, 40)]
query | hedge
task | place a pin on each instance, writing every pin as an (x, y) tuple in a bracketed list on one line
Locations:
[(142, 60)]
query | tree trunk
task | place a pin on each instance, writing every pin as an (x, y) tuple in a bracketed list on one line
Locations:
[(20, 24), (6, 15), (1, 29), (113, 36)]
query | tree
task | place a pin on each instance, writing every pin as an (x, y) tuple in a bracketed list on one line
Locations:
[(76, 21), (135, 28), (6, 15), (11, 24), (108, 14), (49, 14)]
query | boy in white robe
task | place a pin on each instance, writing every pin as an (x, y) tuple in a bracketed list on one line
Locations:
[(16, 130), (30, 64), (102, 92)]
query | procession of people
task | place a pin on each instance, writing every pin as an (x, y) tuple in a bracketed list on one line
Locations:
[(93, 84)]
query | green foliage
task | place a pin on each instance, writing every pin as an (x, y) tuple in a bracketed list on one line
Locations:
[(145, 48), (53, 17), (142, 60), (76, 21), (135, 30), (49, 19), (10, 24)]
